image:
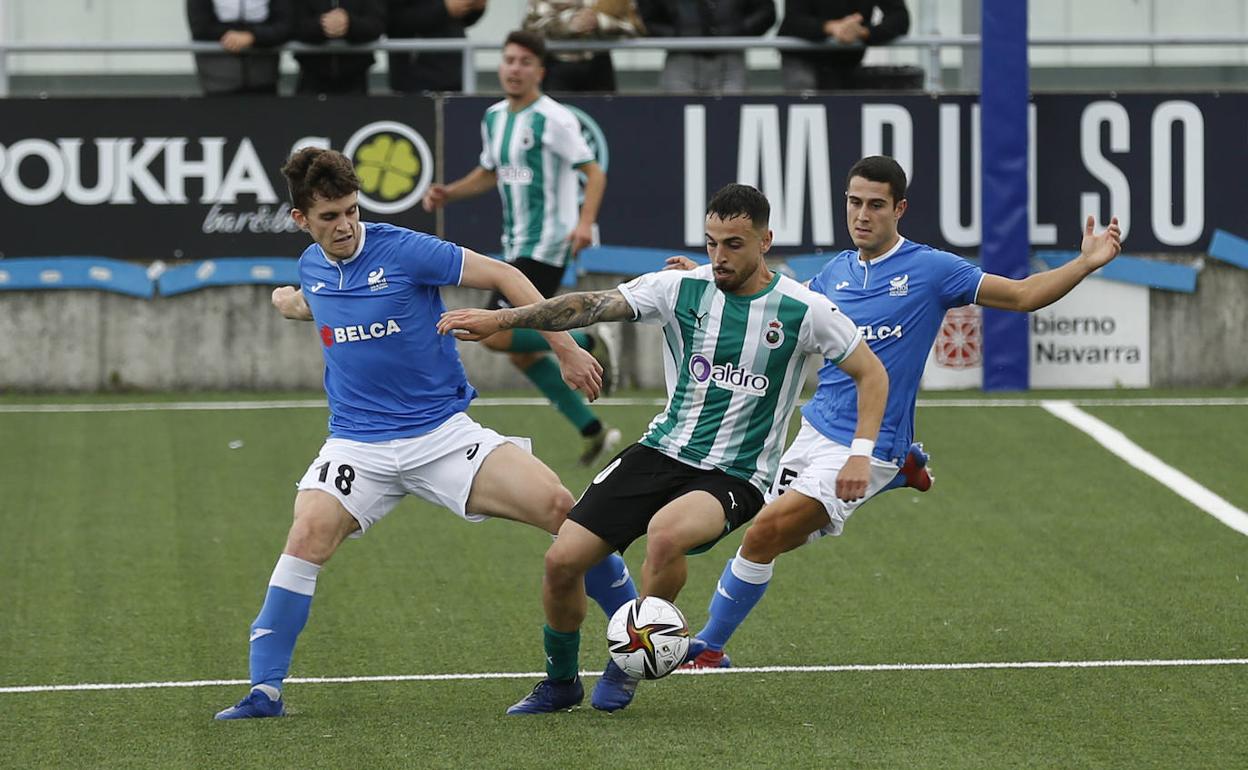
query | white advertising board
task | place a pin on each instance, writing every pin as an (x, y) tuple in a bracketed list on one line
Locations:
[(1094, 337)]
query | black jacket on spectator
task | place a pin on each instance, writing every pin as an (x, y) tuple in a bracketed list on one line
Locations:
[(227, 73), (805, 19), (707, 18), (414, 71), (337, 73)]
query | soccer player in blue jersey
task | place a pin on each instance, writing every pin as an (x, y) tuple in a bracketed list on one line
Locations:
[(897, 291), (397, 399)]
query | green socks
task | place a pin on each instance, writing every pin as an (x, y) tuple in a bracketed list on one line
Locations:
[(532, 341), (562, 653), (545, 375)]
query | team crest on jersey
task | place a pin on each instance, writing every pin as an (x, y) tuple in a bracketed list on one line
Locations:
[(526, 139), (899, 285), (774, 336), (377, 279)]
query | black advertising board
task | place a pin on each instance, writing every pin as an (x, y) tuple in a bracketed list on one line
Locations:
[(151, 179), (195, 178), (1169, 165)]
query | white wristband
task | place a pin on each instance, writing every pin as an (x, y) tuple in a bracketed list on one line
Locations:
[(861, 447)]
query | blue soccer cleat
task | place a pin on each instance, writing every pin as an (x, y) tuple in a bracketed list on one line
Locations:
[(702, 656), (914, 472), (256, 705), (615, 689), (549, 696)]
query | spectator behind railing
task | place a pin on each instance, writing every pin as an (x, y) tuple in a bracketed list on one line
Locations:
[(846, 21), (579, 20), (239, 25), (352, 21), (427, 71), (715, 72)]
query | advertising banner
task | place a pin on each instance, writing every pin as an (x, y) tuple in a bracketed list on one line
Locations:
[(1097, 336), (1166, 164), (147, 179)]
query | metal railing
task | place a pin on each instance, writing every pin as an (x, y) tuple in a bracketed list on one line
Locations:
[(931, 45)]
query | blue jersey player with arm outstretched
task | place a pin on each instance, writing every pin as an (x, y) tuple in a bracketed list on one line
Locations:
[(897, 292), (397, 398)]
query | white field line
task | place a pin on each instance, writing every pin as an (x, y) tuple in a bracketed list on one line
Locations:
[(858, 668), (1135, 455), (232, 406)]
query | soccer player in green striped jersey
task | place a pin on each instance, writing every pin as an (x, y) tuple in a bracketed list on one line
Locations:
[(532, 150), (738, 337)]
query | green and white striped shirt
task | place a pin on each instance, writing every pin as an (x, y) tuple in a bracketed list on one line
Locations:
[(535, 153), (734, 365)]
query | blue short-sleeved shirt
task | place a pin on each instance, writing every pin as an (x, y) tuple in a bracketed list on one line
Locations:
[(898, 301), (388, 373)]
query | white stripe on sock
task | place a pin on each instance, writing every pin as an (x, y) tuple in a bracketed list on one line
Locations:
[(269, 690), (295, 575), (751, 571)]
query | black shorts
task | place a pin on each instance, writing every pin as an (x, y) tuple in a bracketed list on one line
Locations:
[(619, 503), (545, 277)]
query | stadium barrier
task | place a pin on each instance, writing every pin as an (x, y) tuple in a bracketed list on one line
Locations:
[(215, 329)]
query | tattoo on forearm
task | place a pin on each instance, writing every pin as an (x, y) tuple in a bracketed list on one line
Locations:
[(568, 311)]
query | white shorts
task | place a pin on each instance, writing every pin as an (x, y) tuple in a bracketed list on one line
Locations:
[(369, 479), (810, 466)]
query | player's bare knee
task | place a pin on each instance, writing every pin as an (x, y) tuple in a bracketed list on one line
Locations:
[(551, 504), (311, 539), (763, 541), (563, 568), (561, 501), (662, 548)]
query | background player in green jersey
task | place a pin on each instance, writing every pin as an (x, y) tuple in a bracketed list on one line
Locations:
[(738, 336), (532, 150)]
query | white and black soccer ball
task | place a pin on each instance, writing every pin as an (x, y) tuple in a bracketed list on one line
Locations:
[(648, 638)]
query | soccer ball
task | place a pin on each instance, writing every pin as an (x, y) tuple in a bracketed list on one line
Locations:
[(648, 638)]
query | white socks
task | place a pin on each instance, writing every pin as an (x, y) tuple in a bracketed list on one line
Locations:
[(751, 572), (295, 575)]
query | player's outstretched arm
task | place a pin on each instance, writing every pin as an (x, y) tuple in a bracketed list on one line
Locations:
[(580, 370), (471, 184), (567, 311), (290, 303), (871, 380), (1043, 289)]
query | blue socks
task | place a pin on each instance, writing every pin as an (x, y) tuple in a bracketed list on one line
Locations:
[(740, 587), (609, 584), (283, 616), (289, 601)]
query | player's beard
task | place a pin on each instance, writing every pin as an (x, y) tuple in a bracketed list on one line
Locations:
[(737, 279)]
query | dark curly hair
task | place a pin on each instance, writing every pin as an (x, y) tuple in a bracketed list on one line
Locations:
[(313, 172), (740, 200)]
